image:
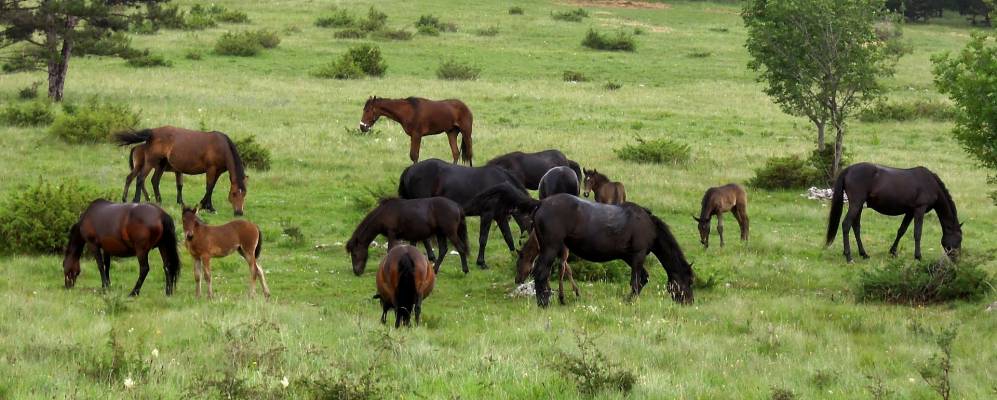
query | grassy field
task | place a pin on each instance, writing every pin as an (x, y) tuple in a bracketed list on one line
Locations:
[(783, 316)]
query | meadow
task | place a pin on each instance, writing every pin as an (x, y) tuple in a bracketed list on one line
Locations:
[(781, 317)]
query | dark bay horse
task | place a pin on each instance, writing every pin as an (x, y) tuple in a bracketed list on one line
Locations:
[(606, 191), (404, 279), (556, 180), (600, 232), (415, 220), (909, 192), (205, 242), (529, 168), (122, 230), (717, 201), (186, 152), (422, 117), (434, 177)]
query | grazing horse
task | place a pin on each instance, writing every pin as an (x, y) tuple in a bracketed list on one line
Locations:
[(423, 117), (186, 152), (434, 177), (606, 192), (529, 168), (600, 233), (717, 201), (122, 230), (205, 242), (556, 180), (909, 192), (404, 280), (415, 220)]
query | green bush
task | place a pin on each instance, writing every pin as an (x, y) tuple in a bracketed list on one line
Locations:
[(267, 38), (146, 59), (612, 85), (432, 23), (613, 271), (29, 92), (241, 44), (790, 172), (399, 34), (94, 122), (344, 68), (232, 17), (574, 76), (368, 58), (575, 15), (37, 219), (23, 59), (350, 33), (907, 111), (339, 19), (194, 54), (516, 10), (454, 70), (253, 154), (31, 113), (924, 282), (487, 32), (660, 151), (599, 41), (428, 30), (374, 22), (592, 371), (823, 164), (169, 16), (197, 22)]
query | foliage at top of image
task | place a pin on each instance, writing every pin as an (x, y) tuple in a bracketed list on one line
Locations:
[(622, 41), (516, 10), (253, 154), (95, 122), (658, 151), (246, 43), (37, 219), (907, 111), (359, 60), (925, 282), (576, 15), (431, 25), (28, 113), (592, 372), (198, 17), (453, 70)]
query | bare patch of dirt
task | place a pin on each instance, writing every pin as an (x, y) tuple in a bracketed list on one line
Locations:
[(619, 4)]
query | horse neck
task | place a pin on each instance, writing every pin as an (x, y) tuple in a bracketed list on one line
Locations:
[(392, 110), (598, 181), (947, 215), (707, 208), (368, 229), (667, 250), (76, 242)]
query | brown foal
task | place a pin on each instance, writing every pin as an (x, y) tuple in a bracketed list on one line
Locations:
[(206, 242)]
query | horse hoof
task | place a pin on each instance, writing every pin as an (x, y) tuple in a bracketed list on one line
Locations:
[(482, 266), (865, 256)]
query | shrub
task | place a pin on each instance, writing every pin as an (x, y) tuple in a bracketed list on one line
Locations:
[(24, 59), (399, 34), (375, 21), (700, 54), (917, 109), (95, 121), (37, 219), (146, 59), (612, 85), (170, 16), (790, 172), (432, 23), (267, 38), (197, 22), (823, 164), (613, 271), (592, 371), (241, 44), (29, 92), (782, 394), (924, 282), (193, 54), (253, 154), (232, 16), (516, 10), (488, 32), (454, 70), (660, 151), (428, 30), (574, 76), (575, 15), (368, 58), (115, 44), (599, 41), (344, 68), (31, 113), (339, 19), (350, 33)]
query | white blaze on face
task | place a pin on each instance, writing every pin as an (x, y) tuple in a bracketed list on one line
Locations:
[(363, 125)]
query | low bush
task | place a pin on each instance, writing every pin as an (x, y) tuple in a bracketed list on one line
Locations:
[(516, 10), (374, 22), (428, 30), (924, 282), (454, 70), (399, 34), (146, 60), (660, 151), (37, 219), (232, 17), (115, 44), (592, 371), (700, 54), (30, 113), (586, 271), (576, 15), (339, 19), (612, 85), (432, 23), (574, 76), (368, 58), (790, 172), (29, 58), (822, 162), (343, 68), (29, 92), (96, 121), (350, 33), (253, 154), (239, 44), (487, 32), (622, 41), (907, 111), (161, 16), (267, 38), (194, 54)]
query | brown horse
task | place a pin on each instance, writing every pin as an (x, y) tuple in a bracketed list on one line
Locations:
[(422, 117), (529, 254), (186, 152), (122, 230), (205, 242), (606, 192), (404, 280), (717, 201)]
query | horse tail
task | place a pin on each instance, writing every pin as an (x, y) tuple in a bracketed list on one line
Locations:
[(168, 250), (402, 187), (259, 243), (406, 294), (239, 168), (462, 230), (837, 203), (466, 147), (501, 199), (127, 138)]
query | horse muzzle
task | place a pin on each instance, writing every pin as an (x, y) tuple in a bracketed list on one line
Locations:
[(586, 194), (239, 213), (188, 235), (364, 127)]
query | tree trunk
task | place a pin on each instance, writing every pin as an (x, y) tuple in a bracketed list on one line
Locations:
[(838, 144), (820, 135), (58, 64)]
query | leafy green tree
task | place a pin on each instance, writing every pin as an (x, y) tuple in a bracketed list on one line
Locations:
[(970, 79), (54, 28), (820, 59)]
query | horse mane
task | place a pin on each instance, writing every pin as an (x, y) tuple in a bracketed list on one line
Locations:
[(704, 208), (946, 196), (365, 223), (240, 171), (598, 176), (666, 240), (413, 101), (75, 245)]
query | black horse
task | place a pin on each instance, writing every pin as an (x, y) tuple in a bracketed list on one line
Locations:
[(529, 168), (598, 232), (435, 177), (909, 192), (559, 180)]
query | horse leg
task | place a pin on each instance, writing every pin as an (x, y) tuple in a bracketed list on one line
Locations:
[(900, 232), (854, 211), (461, 247), (414, 145), (541, 274), (102, 268), (638, 275), (441, 240), (259, 271), (742, 220), (143, 264), (720, 228), (858, 236), (179, 178), (418, 313), (503, 224), (251, 261), (140, 181), (567, 269), (384, 311), (560, 285), (128, 182), (452, 137), (197, 276), (211, 179), (206, 265), (429, 249), (156, 176), (918, 222), (486, 224)]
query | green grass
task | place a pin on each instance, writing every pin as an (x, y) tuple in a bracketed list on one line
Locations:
[(783, 316)]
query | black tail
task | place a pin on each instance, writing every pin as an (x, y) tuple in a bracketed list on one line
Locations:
[(577, 168), (501, 199), (466, 147), (402, 189), (259, 244), (168, 250), (462, 230), (127, 138), (837, 203), (406, 294)]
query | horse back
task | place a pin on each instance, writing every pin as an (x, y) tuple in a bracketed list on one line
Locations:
[(121, 229)]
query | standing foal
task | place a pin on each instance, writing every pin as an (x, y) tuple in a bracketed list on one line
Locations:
[(206, 242)]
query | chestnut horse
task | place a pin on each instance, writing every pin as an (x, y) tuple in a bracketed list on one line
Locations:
[(530, 168), (205, 242), (415, 220), (606, 192), (186, 152), (122, 230), (717, 201), (422, 117), (404, 280), (909, 192)]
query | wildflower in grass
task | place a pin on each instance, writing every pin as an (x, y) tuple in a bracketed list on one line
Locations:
[(284, 382), (155, 353), (129, 382)]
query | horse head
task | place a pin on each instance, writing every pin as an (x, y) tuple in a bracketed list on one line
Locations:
[(370, 115), (704, 230)]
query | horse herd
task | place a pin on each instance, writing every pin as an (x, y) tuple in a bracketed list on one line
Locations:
[(435, 196)]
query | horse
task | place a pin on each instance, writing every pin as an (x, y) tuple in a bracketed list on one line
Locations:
[(529, 168), (122, 230), (556, 180), (606, 192), (136, 160), (423, 117), (186, 152), (599, 232), (717, 201), (435, 177), (415, 221), (404, 279), (891, 191), (205, 242)]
